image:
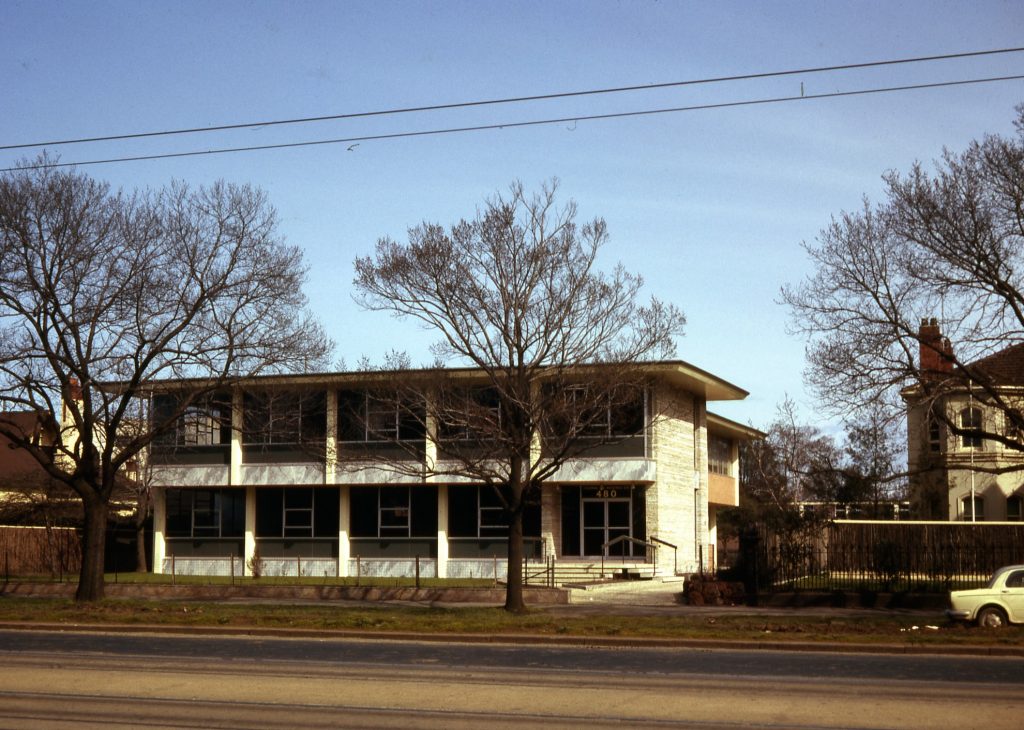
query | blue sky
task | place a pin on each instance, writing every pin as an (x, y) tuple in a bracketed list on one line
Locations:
[(709, 206)]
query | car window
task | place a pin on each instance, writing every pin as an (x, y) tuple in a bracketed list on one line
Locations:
[(1015, 579)]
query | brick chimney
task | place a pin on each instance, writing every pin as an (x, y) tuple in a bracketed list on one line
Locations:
[(936, 352)]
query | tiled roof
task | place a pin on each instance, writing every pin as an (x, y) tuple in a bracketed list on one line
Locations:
[(1005, 367)]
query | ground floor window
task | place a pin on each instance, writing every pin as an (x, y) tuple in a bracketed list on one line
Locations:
[(1013, 508), (297, 512), (478, 523), (393, 512), (596, 519), (978, 512), (205, 513)]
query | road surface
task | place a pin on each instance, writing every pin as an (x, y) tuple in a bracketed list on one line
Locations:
[(72, 680)]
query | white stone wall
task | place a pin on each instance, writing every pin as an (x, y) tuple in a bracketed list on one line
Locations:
[(676, 503)]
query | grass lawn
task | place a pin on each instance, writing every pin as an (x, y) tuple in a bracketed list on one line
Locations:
[(883, 628)]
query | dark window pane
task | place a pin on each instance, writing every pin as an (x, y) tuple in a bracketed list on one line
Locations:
[(351, 415), (462, 509), (325, 512), (298, 498), (424, 511), (232, 513), (531, 520), (570, 520), (269, 514), (391, 497), (363, 506), (179, 512)]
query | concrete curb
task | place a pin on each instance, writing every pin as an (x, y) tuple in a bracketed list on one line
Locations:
[(522, 639)]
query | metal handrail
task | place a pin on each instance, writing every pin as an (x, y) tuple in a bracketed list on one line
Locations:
[(675, 552), (635, 541)]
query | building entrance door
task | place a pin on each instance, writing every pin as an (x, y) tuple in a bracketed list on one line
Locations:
[(607, 514)]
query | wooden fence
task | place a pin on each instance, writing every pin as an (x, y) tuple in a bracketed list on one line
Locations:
[(53, 551)]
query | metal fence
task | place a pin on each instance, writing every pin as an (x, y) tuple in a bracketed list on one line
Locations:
[(881, 556)]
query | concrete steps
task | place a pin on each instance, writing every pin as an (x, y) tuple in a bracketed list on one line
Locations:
[(590, 571)]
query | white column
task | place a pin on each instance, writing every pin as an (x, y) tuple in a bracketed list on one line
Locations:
[(250, 529), (331, 457), (442, 530), (235, 469), (159, 526), (235, 479), (344, 520)]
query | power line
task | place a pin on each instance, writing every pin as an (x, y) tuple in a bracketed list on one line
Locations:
[(529, 123), (515, 100)]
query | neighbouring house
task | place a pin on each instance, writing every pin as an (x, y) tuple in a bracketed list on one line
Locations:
[(37, 514), (27, 495), (952, 473), (295, 474)]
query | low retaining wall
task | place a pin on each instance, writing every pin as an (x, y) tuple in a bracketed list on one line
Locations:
[(536, 596)]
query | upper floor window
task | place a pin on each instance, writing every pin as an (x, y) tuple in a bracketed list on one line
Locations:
[(365, 417), (970, 418), (284, 418), (618, 413), (934, 435), (204, 422), (469, 415), (719, 455)]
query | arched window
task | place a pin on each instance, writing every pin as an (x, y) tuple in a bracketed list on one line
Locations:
[(978, 515), (934, 435), (970, 418), (1013, 508)]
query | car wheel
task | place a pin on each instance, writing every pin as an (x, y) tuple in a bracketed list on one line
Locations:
[(991, 617)]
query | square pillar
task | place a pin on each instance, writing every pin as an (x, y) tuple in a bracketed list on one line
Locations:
[(159, 527), (442, 530), (250, 529), (344, 523)]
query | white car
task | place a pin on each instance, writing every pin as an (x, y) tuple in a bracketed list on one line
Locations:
[(995, 605)]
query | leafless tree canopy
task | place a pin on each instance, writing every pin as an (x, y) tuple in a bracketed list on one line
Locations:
[(102, 292), (947, 245), (516, 295)]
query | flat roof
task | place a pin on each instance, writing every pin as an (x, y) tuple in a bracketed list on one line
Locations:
[(677, 372)]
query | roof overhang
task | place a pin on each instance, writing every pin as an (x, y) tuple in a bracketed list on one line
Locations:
[(732, 429), (675, 372)]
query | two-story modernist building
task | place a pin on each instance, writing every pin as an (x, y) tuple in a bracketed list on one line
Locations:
[(955, 476), (312, 474)]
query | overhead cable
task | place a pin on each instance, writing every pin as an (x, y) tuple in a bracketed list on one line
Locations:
[(512, 125), (516, 99)]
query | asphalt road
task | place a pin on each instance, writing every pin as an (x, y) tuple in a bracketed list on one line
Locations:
[(66, 679)]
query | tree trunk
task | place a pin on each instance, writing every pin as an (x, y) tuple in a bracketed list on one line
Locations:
[(141, 513), (94, 542), (514, 585), (140, 548)]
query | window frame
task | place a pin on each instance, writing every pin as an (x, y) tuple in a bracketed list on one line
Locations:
[(213, 410), (213, 528), (302, 413), (971, 417), (979, 508)]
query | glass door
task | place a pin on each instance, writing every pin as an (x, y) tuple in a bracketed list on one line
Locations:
[(605, 516)]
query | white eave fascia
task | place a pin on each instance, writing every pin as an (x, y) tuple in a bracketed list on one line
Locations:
[(733, 429)]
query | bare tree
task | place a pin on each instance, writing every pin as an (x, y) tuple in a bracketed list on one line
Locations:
[(946, 248), (515, 294), (101, 292)]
